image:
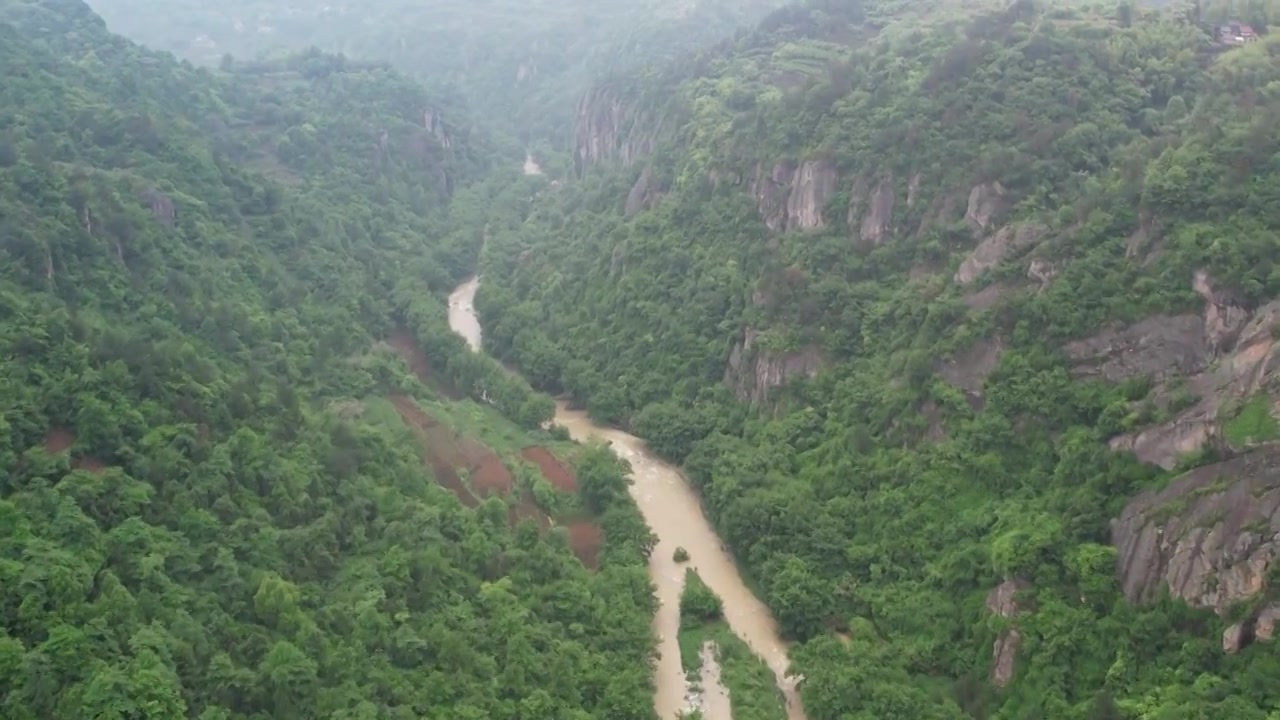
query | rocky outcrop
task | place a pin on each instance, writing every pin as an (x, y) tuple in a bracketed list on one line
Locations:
[(1008, 242), (1003, 601), (876, 221), (608, 131), (986, 201), (161, 206), (433, 124), (1224, 318), (811, 188), (968, 369), (644, 194), (1200, 364), (771, 191), (913, 189), (1042, 271), (792, 197), (1158, 347), (1210, 536), (753, 371)]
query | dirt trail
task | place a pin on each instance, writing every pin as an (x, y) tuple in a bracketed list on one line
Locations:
[(674, 513)]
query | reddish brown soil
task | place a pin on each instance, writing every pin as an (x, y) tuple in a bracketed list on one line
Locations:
[(491, 477), (585, 539), (407, 347), (58, 440), (89, 464), (441, 456), (556, 473)]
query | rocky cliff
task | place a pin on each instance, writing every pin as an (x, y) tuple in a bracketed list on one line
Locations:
[(1002, 602), (791, 196), (753, 371), (608, 129), (1206, 370), (1210, 537)]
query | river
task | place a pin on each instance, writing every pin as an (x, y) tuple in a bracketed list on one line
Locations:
[(674, 513)]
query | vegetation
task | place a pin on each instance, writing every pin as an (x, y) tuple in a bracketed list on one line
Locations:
[(522, 65), (884, 496), (206, 508), (753, 693), (211, 505)]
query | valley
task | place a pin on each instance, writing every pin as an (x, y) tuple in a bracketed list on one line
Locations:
[(673, 511), (687, 360)]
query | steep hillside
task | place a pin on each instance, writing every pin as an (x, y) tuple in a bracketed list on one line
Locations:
[(922, 299), (210, 503), (521, 64)]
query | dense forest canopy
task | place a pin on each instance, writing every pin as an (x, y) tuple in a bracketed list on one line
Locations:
[(521, 64), (964, 320), (922, 297), (208, 507)]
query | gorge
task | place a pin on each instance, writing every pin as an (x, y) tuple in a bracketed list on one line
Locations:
[(673, 511)]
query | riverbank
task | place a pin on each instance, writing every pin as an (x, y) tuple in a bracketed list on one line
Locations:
[(673, 512)]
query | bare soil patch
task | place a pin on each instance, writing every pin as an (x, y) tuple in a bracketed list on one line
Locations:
[(556, 472), (442, 454), (491, 477), (585, 539), (58, 440), (407, 347), (89, 464)]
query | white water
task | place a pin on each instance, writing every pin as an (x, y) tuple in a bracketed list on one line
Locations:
[(674, 513)]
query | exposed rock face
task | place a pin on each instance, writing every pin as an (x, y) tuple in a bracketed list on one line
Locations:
[(879, 215), (161, 206), (753, 371), (433, 124), (1008, 242), (1235, 637), (1042, 271), (1003, 601), (1264, 628), (606, 130), (1223, 316), (1210, 536), (1226, 355), (1159, 347), (791, 197), (988, 297), (969, 368), (811, 189), (644, 194), (986, 201), (913, 189)]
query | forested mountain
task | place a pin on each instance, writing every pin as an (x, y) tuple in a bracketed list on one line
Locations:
[(209, 505), (521, 64), (963, 322)]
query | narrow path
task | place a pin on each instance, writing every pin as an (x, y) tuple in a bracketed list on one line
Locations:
[(674, 513)]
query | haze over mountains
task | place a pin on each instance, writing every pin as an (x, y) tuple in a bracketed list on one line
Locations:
[(959, 321)]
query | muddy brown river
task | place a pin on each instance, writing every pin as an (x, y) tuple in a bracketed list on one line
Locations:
[(674, 513)]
